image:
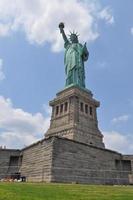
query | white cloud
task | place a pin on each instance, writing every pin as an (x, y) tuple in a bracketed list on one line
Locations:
[(106, 14), (19, 128), (2, 76), (122, 118), (39, 19), (119, 142), (131, 30), (4, 29)]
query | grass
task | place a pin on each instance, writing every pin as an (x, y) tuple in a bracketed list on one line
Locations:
[(40, 191)]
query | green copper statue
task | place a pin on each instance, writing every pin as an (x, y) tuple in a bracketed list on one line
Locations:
[(75, 56)]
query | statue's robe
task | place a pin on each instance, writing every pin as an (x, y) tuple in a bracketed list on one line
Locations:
[(75, 55)]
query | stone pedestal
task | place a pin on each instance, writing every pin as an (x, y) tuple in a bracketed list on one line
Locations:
[(74, 117)]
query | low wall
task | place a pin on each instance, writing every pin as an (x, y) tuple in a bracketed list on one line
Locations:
[(37, 161), (9, 162), (62, 160), (77, 162)]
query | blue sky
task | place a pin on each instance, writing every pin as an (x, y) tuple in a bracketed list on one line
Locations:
[(32, 69)]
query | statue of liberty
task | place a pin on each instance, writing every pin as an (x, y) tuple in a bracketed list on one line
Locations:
[(75, 56)]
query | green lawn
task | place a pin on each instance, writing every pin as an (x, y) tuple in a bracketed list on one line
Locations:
[(32, 191)]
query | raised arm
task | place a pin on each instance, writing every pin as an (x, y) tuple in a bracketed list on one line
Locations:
[(61, 27)]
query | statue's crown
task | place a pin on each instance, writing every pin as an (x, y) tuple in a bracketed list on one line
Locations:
[(73, 33), (73, 36)]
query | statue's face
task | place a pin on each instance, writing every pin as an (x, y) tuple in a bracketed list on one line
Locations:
[(74, 38)]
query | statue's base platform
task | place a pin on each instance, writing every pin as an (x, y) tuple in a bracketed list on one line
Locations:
[(74, 116)]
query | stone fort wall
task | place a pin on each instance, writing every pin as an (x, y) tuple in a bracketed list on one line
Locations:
[(9, 162), (63, 160), (77, 162), (37, 161)]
